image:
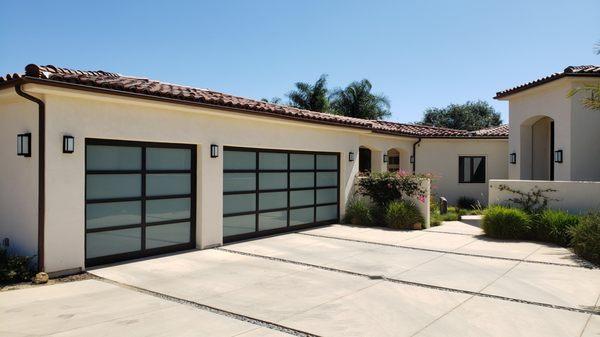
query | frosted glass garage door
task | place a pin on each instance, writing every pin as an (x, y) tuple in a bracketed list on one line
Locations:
[(266, 191)]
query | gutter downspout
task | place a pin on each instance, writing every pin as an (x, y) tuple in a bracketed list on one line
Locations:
[(41, 171), (414, 155)]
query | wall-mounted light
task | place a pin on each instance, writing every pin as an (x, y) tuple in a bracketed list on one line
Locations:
[(351, 156), (412, 159), (558, 156), (24, 144), (512, 158), (214, 151), (68, 144), (385, 158)]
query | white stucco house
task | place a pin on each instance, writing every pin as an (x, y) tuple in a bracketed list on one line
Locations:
[(554, 140), (100, 167)]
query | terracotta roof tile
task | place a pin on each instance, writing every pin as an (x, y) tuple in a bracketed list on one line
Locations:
[(589, 70), (137, 85)]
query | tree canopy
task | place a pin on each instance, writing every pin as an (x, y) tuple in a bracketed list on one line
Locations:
[(310, 96), (469, 116), (357, 100)]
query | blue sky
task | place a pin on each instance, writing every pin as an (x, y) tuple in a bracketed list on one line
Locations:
[(418, 53)]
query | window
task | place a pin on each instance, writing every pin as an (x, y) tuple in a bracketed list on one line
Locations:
[(471, 169)]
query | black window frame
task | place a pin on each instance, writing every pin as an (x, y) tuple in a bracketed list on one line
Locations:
[(256, 191), (461, 177), (143, 172)]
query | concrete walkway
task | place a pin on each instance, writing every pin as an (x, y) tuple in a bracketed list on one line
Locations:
[(331, 281)]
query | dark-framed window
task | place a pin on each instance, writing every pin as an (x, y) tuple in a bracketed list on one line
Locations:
[(267, 191), (140, 199), (471, 169)]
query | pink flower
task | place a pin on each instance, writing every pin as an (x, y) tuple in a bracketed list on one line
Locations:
[(422, 198)]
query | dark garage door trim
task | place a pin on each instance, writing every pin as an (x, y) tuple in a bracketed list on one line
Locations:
[(143, 252), (257, 190)]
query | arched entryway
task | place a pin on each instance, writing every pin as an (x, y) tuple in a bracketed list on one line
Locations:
[(364, 159), (398, 160), (537, 148)]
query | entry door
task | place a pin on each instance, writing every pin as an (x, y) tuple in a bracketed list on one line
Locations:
[(268, 191), (140, 199)]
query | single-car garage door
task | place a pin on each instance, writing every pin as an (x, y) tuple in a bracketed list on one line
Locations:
[(271, 191), (140, 199)]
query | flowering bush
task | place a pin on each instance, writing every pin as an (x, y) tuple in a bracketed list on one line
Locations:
[(386, 187)]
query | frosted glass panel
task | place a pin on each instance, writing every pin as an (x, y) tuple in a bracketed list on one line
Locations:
[(272, 200), (113, 242), (239, 203), (239, 160), (103, 157), (272, 220), (326, 178), (302, 161), (302, 198), (326, 213), (239, 182), (168, 184), (326, 162), (301, 216), (327, 195), (167, 235), (105, 186), (270, 181), (272, 161), (167, 209), (113, 214), (234, 225), (302, 179), (168, 159)]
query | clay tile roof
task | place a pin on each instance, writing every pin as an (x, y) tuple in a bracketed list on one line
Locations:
[(100, 79), (501, 130), (589, 71)]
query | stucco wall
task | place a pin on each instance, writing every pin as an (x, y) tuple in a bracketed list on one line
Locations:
[(18, 175), (573, 196), (440, 157), (585, 126)]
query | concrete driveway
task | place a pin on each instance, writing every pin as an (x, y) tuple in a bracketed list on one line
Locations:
[(330, 281)]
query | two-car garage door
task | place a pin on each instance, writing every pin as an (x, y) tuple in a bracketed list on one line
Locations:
[(269, 191)]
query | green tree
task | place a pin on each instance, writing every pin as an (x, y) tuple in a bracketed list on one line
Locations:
[(593, 100), (469, 116), (310, 96), (357, 100), (274, 100)]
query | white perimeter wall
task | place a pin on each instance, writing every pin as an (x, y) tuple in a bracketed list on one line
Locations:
[(573, 196), (440, 157), (18, 175)]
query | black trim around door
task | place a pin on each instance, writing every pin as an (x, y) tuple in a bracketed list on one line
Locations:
[(143, 252), (288, 190)]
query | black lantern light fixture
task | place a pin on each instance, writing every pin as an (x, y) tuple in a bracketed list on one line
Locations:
[(68, 144), (351, 156), (214, 150), (558, 156), (412, 159), (385, 158), (24, 144), (512, 158)]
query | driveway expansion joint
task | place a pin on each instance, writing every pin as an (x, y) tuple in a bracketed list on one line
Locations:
[(211, 309), (416, 284), (582, 264)]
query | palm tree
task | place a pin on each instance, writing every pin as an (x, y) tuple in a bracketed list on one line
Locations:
[(310, 96), (274, 100), (593, 100), (356, 100)]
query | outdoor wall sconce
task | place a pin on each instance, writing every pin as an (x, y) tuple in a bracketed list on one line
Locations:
[(68, 144), (412, 159), (385, 158), (512, 158), (214, 151), (558, 156), (351, 156), (24, 145)]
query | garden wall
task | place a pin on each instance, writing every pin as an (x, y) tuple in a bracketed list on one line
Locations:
[(572, 196)]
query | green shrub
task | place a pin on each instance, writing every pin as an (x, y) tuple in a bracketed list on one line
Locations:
[(358, 213), (554, 226), (467, 203), (386, 187), (506, 223), (586, 237), (402, 215), (14, 268)]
